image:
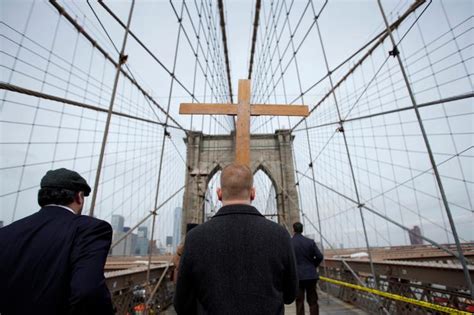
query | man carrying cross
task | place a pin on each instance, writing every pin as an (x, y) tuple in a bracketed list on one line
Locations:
[(238, 262)]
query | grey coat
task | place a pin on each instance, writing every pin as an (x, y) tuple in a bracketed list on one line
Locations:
[(237, 263)]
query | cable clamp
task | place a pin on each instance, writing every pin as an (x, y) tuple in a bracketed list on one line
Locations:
[(340, 129), (123, 59), (394, 52)]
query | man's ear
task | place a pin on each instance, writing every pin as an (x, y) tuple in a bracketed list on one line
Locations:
[(79, 198), (219, 193), (252, 194)]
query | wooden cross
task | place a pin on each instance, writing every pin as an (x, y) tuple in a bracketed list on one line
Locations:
[(243, 110)]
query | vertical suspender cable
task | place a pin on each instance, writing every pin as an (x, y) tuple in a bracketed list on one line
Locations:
[(396, 53), (224, 40)]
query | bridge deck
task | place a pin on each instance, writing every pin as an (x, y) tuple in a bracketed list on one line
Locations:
[(126, 278), (328, 305)]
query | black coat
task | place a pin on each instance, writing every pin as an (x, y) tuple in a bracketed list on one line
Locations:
[(52, 262), (237, 263), (308, 257)]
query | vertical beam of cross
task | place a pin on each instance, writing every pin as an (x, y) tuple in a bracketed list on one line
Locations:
[(242, 133)]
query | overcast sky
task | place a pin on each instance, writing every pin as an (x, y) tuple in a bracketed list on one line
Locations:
[(388, 153)]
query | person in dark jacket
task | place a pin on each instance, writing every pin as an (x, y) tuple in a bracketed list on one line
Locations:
[(179, 252), (308, 258), (52, 262), (238, 262)]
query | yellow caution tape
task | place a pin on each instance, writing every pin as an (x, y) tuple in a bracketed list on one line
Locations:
[(397, 297)]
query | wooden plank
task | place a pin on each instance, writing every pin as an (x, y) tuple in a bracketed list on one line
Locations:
[(242, 137), (279, 110), (207, 109)]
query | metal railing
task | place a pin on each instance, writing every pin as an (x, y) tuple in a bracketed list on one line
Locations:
[(132, 294), (398, 292)]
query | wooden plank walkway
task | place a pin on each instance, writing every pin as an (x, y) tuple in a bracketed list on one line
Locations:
[(328, 305)]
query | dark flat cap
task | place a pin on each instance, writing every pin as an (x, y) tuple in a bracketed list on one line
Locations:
[(66, 179)]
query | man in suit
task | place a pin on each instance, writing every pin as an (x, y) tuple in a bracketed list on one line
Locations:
[(238, 262), (308, 258), (52, 262)]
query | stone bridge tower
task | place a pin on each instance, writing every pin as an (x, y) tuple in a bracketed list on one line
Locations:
[(271, 153)]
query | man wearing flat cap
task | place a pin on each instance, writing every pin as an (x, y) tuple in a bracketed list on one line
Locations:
[(52, 262)]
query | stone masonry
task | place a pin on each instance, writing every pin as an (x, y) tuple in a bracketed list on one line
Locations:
[(271, 153)]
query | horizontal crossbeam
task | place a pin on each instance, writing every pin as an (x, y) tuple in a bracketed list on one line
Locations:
[(255, 109)]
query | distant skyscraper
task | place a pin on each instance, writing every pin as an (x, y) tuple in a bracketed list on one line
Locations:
[(143, 231), (142, 241), (127, 246), (415, 236), (117, 223), (130, 242), (119, 249), (176, 228), (169, 241)]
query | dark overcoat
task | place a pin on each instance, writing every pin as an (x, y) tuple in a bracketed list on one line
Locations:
[(237, 263), (308, 257), (52, 262)]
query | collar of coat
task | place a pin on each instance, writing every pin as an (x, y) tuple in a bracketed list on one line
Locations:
[(238, 209)]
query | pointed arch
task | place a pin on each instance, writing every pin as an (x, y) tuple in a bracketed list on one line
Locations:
[(266, 170), (268, 206), (211, 204), (218, 167)]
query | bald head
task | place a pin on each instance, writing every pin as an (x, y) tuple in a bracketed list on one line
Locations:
[(236, 183)]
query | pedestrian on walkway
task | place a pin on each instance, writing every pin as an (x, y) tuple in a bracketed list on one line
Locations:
[(238, 262), (308, 258), (52, 262), (179, 253)]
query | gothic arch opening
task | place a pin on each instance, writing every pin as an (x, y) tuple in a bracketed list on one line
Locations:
[(265, 200), (211, 203), (265, 197)]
